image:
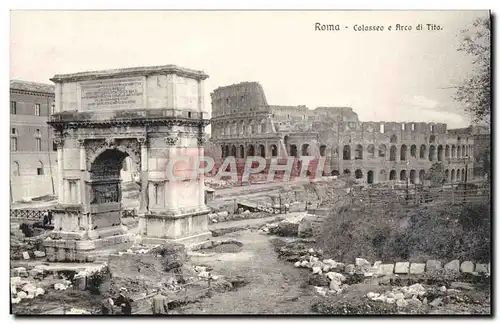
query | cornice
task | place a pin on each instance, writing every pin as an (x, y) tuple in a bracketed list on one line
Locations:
[(128, 72)]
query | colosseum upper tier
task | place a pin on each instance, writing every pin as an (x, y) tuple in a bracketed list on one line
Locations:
[(244, 124)]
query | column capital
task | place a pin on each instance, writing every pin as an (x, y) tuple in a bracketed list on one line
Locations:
[(172, 139), (81, 142), (59, 141), (141, 140)]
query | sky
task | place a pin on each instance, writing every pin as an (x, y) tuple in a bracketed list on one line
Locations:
[(383, 75)]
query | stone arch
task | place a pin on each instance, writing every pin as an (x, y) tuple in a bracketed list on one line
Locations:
[(335, 173), (402, 175), (459, 151), (383, 175), (453, 151), (358, 174), (413, 151), (432, 139), (347, 172), (452, 176), (393, 139), (447, 152), (463, 151), (440, 153), (322, 150), (432, 153), (305, 149), (106, 167), (233, 150), (413, 176), (421, 176), (447, 175), (392, 153), (242, 151), (293, 150), (392, 175), (422, 151), (130, 147), (382, 150), (274, 150), (346, 152), (262, 151), (403, 152), (263, 127), (358, 152), (458, 175), (369, 177), (234, 128), (371, 151), (463, 174), (250, 150)]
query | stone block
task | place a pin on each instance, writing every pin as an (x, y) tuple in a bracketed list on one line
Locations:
[(385, 269), (402, 267), (26, 255), (481, 268), (467, 266), (349, 268), (417, 268), (433, 265), (453, 266), (39, 254)]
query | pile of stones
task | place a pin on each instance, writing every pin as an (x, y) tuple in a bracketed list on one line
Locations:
[(417, 295), (23, 289)]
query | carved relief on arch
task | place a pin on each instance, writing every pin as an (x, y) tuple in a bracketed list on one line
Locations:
[(95, 147)]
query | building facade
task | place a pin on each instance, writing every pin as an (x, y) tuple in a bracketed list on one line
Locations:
[(32, 155), (244, 124), (32, 149)]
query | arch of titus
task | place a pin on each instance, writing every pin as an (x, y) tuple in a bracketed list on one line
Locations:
[(149, 114)]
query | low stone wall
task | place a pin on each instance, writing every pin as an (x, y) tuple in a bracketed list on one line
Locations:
[(378, 268), (226, 217)]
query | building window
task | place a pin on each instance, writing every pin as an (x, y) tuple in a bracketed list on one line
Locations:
[(189, 114), (54, 146), (37, 109), (13, 108), (13, 131), (15, 169), (39, 169), (38, 144), (13, 144)]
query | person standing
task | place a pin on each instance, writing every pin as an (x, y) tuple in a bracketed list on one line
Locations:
[(159, 304), (124, 302), (107, 305)]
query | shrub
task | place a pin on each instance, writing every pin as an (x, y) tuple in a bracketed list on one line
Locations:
[(394, 234)]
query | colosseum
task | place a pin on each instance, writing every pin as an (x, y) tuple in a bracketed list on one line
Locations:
[(244, 124)]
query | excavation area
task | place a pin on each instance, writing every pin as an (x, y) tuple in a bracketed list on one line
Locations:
[(349, 252)]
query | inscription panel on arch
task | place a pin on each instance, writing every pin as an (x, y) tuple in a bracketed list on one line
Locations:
[(122, 93)]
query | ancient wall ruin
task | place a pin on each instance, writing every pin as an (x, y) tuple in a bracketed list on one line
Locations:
[(243, 124)]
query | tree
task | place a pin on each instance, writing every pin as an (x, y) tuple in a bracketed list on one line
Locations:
[(475, 91), (436, 175)]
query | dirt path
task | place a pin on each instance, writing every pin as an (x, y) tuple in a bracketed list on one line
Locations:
[(274, 286)]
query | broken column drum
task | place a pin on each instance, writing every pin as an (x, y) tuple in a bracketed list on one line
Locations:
[(151, 115)]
